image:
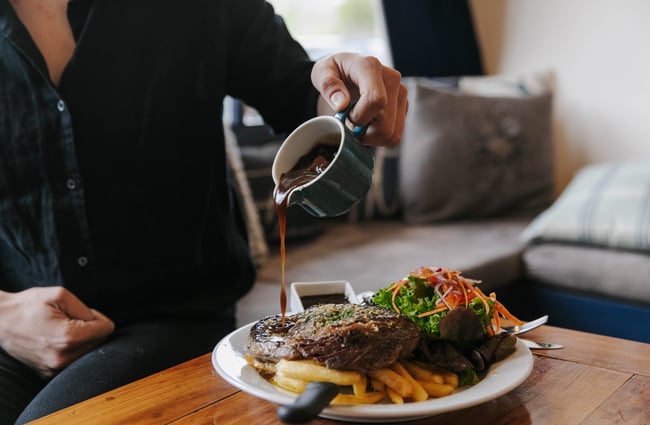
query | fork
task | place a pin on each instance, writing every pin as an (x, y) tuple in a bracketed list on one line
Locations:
[(527, 326)]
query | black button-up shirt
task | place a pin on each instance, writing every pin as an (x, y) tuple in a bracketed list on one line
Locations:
[(114, 184)]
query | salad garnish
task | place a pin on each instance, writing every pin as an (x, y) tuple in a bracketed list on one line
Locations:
[(426, 295)]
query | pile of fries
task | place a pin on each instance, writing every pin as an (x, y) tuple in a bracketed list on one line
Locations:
[(404, 381)]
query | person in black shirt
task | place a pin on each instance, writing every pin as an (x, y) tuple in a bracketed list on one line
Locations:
[(122, 247)]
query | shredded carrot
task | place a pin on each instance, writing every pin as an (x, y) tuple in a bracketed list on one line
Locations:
[(434, 311), (454, 290), (396, 287), (505, 313)]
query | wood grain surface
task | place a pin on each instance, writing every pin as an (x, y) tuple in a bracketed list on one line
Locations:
[(593, 380)]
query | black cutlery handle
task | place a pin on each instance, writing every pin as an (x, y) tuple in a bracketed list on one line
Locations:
[(308, 405)]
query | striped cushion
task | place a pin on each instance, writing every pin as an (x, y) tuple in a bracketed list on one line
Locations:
[(606, 204)]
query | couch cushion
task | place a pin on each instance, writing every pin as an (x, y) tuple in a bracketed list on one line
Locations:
[(502, 85), (606, 204), (592, 270), (472, 156), (382, 199)]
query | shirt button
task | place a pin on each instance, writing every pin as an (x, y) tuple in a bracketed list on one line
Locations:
[(60, 105), (82, 261), (71, 184)]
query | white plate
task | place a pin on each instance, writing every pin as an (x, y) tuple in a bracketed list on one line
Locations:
[(229, 361)]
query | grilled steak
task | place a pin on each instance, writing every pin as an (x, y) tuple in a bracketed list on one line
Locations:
[(340, 336)]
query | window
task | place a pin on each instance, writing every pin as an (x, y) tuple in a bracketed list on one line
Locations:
[(329, 26)]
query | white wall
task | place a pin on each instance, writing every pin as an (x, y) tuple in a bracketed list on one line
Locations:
[(599, 54)]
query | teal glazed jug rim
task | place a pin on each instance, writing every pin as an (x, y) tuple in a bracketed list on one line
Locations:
[(347, 178)]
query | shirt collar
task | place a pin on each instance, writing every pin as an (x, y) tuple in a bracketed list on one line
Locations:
[(78, 12)]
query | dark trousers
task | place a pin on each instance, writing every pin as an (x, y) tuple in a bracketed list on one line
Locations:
[(132, 352)]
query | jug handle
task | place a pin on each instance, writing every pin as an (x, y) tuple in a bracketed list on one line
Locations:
[(358, 130)]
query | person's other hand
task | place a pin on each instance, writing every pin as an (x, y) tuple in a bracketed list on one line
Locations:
[(380, 95), (47, 328)]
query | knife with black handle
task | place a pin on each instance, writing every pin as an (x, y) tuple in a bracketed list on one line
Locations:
[(309, 404)]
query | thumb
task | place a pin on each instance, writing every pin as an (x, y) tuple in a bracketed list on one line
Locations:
[(107, 324), (339, 99), (92, 330), (326, 77)]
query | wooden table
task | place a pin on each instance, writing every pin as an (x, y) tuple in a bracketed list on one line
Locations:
[(592, 380)]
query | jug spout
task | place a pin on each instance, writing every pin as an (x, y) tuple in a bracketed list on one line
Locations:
[(295, 197)]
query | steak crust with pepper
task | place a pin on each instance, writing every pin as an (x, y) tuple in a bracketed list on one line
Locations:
[(340, 336)]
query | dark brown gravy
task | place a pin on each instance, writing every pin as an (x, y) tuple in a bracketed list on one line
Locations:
[(310, 300), (307, 168)]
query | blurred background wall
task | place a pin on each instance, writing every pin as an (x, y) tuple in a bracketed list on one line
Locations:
[(599, 54)]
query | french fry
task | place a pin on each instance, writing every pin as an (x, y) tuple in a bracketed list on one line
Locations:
[(377, 385), (371, 397), (359, 388), (395, 398), (394, 381), (291, 384), (451, 379), (265, 367), (403, 381), (308, 370), (419, 393), (436, 390), (448, 377), (423, 373)]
